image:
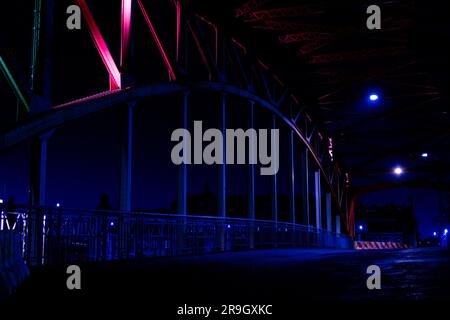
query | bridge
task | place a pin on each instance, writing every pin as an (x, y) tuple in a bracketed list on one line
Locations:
[(136, 70)]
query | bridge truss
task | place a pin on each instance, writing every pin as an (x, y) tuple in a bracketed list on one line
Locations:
[(228, 68)]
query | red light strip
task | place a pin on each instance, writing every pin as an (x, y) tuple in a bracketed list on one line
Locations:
[(101, 46), (125, 31), (158, 42), (178, 7)]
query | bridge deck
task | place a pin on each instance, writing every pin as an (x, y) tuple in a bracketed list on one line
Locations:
[(298, 276)]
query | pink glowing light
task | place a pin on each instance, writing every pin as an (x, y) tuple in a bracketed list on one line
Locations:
[(101, 46), (158, 42), (125, 31), (178, 8)]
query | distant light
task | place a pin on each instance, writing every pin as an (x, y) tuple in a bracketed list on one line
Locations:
[(398, 171), (1, 200), (424, 155), (361, 227), (58, 205), (229, 226), (435, 234), (373, 97), (111, 224), (445, 232)]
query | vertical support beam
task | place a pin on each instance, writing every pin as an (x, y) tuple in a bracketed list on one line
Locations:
[(38, 171), (251, 177), (127, 159), (222, 179), (329, 221), (36, 42), (37, 197), (291, 178), (318, 195), (182, 173), (251, 167), (305, 186), (48, 52), (338, 225), (274, 182)]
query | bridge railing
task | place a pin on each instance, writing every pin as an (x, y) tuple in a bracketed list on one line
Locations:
[(56, 235)]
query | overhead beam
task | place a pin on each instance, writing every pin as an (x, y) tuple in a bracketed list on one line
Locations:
[(303, 37), (357, 55), (248, 7), (296, 11)]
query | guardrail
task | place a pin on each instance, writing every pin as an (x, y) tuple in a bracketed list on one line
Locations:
[(56, 235), (13, 271)]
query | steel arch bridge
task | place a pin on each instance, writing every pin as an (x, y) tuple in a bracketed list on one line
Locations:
[(227, 68)]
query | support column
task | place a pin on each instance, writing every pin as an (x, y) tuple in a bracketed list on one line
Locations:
[(127, 159), (48, 51), (38, 171), (251, 178), (305, 186), (318, 195), (291, 178), (251, 168), (274, 185), (182, 173), (338, 225), (42, 56), (222, 179), (37, 198), (329, 222)]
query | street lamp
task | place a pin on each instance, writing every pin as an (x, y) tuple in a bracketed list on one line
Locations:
[(373, 97), (398, 171)]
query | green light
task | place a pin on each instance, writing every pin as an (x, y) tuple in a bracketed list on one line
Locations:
[(12, 83)]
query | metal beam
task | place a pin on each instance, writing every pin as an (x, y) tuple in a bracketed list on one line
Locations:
[(248, 7), (296, 11), (13, 84), (318, 197), (101, 46), (251, 167), (161, 49), (274, 194), (222, 178), (125, 32), (127, 159), (182, 173), (292, 178), (303, 37), (355, 55)]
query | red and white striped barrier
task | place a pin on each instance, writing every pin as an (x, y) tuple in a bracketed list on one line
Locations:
[(379, 245)]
